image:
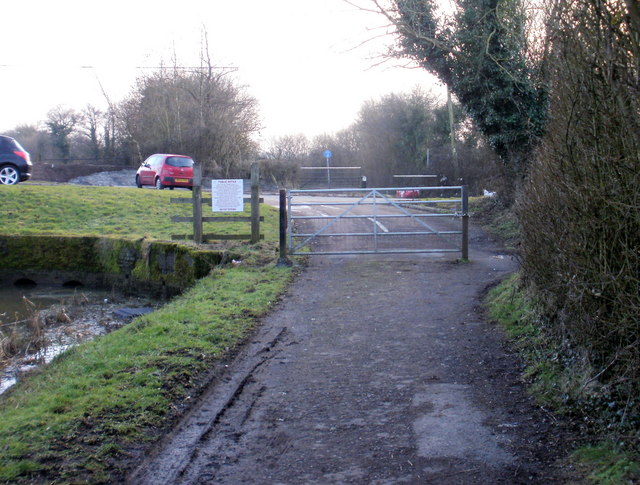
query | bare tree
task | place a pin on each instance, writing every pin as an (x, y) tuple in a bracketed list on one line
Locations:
[(62, 123), (198, 111), (289, 147), (395, 133), (90, 128)]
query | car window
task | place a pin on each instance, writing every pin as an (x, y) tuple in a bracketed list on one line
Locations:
[(4, 145), (154, 161), (179, 162)]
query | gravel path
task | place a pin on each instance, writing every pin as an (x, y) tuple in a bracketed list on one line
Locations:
[(121, 178), (372, 371)]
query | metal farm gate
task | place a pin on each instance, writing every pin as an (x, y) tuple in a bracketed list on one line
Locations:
[(378, 221)]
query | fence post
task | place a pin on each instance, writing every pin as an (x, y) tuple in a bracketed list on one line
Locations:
[(465, 223), (255, 203), (283, 260), (197, 204)]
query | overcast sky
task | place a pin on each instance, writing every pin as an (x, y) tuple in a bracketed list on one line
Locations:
[(300, 58)]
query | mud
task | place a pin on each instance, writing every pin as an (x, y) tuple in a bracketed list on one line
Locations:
[(373, 370)]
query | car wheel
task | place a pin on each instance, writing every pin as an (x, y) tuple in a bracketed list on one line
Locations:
[(159, 185), (138, 183), (9, 175), (171, 188)]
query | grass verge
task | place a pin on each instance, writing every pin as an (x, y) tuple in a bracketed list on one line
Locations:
[(77, 419), (557, 376), (496, 219), (85, 416)]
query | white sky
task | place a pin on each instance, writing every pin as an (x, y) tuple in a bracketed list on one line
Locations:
[(299, 58)]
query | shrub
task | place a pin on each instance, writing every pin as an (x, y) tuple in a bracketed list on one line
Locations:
[(580, 208)]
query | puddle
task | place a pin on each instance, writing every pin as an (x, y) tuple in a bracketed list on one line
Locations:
[(18, 302), (63, 317)]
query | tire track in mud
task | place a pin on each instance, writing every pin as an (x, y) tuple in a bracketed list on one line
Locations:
[(228, 402)]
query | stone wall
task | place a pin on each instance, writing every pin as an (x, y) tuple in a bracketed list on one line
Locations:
[(132, 266)]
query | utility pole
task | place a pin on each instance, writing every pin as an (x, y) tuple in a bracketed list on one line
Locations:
[(452, 134)]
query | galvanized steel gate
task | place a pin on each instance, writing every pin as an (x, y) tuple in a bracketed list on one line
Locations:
[(380, 219)]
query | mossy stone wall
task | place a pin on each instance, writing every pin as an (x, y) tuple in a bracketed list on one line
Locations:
[(136, 266)]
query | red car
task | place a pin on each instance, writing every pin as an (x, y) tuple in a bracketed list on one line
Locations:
[(164, 170), (408, 194)]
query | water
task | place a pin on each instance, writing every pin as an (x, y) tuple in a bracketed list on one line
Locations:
[(14, 307), (88, 314)]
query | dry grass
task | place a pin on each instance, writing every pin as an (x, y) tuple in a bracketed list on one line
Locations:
[(23, 337)]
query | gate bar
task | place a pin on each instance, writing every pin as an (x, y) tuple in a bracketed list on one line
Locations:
[(385, 189), (374, 192), (440, 233)]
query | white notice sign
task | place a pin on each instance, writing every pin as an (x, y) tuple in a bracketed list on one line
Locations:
[(227, 195)]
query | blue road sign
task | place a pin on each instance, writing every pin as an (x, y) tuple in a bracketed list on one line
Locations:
[(328, 154)]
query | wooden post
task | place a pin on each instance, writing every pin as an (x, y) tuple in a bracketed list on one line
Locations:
[(197, 204), (465, 223), (255, 203), (283, 260)]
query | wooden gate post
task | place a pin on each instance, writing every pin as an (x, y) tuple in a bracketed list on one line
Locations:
[(197, 203), (255, 203), (283, 260)]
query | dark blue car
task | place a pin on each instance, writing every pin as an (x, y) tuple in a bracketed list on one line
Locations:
[(15, 163)]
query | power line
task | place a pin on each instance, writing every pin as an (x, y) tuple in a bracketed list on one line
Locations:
[(179, 68)]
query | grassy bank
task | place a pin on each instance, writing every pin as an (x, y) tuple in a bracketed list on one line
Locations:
[(84, 416), (77, 418), (108, 211)]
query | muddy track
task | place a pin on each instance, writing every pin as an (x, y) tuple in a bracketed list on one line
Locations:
[(233, 395), (372, 370)]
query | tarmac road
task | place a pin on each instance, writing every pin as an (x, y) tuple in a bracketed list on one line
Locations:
[(372, 370)]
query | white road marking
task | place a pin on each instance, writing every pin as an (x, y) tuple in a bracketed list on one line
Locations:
[(307, 209), (379, 224), (301, 208)]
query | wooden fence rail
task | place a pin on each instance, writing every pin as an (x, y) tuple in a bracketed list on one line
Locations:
[(197, 200)]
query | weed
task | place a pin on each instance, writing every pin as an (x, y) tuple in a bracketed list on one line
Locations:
[(607, 465), (30, 338)]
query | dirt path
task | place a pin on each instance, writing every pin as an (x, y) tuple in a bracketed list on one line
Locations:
[(371, 371)]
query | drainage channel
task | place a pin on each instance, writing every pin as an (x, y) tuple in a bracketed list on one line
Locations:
[(37, 323)]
